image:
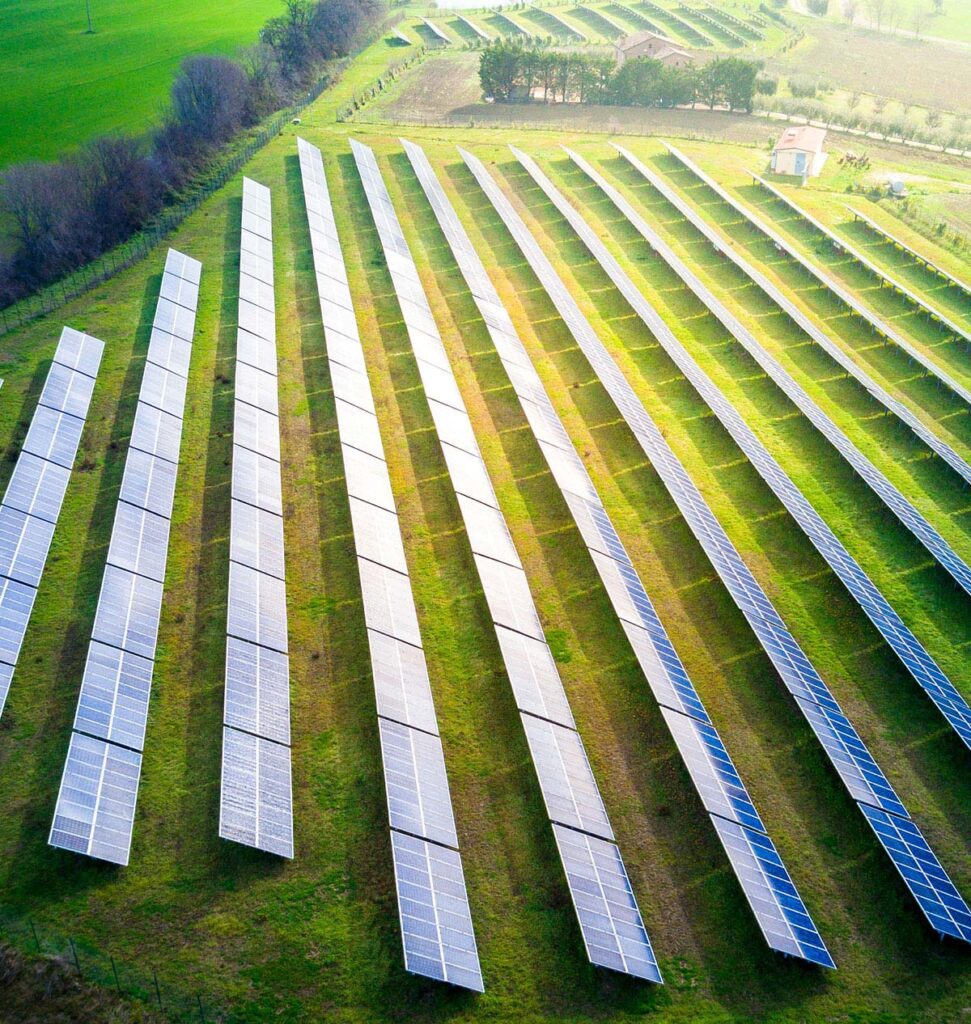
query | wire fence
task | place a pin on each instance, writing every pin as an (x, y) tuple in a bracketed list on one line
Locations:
[(140, 980), (43, 302)]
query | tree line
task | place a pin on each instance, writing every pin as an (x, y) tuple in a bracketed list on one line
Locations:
[(62, 215), (510, 73)]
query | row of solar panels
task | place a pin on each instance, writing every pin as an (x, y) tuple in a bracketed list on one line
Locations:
[(880, 325), (35, 493), (436, 923), (878, 272), (809, 328), (256, 800), (571, 30), (898, 635), (780, 911), (922, 873), (95, 812), (611, 924), (889, 236)]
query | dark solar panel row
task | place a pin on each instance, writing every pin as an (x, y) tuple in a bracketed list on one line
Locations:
[(902, 641), (256, 802), (847, 752), (95, 812), (436, 922)]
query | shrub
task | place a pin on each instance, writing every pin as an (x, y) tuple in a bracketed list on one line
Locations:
[(801, 86), (766, 85), (818, 7)]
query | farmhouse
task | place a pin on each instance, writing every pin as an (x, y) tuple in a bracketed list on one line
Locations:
[(650, 44), (800, 151)]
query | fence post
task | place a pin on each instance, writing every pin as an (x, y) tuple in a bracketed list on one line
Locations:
[(202, 1012), (74, 950), (158, 991), (114, 970), (32, 928)]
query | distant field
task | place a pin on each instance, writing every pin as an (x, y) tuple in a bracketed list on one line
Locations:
[(62, 86)]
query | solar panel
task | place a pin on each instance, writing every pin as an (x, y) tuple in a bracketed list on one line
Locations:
[(156, 432), (257, 321), (256, 480), (610, 922), (401, 684), (16, 603), (258, 352), (351, 386), (416, 783), (921, 871), (67, 390), (257, 430), (367, 478), (778, 908), (256, 539), (164, 389), (359, 428), (468, 474), (388, 605), (6, 677), (797, 672), (37, 487), (257, 607), (95, 808), (114, 697), (487, 530), (128, 612), (257, 690), (259, 293), (139, 542), (79, 351), (180, 291), (377, 536), (712, 771), (167, 350), (508, 596), (149, 482), (255, 387), (565, 777), (833, 350), (24, 543), (256, 805), (534, 677), (174, 319), (183, 266), (53, 436), (436, 924)]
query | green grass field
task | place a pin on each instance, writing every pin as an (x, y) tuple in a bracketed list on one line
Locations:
[(317, 938), (62, 86)]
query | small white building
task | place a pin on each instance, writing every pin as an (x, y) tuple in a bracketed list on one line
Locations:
[(799, 151), (650, 44)]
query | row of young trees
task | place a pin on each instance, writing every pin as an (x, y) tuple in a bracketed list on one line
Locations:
[(512, 73), (62, 215)]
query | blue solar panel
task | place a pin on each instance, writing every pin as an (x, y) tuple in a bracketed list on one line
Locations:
[(922, 873)]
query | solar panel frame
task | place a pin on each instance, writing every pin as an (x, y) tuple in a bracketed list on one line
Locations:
[(257, 693), (388, 603), (256, 480), (256, 794), (170, 352), (79, 351), (115, 691), (256, 539), (54, 436), (148, 482), (67, 390), (95, 810), (377, 535), (129, 608), (24, 543), (37, 487), (156, 432), (16, 604), (256, 387), (402, 688), (257, 608), (139, 541)]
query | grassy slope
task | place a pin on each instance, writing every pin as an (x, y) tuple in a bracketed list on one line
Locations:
[(317, 938), (62, 86)]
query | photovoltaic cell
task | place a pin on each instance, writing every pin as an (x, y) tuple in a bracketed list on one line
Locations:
[(388, 604), (167, 350), (534, 677), (256, 480), (256, 804), (257, 430), (436, 924), (114, 696), (416, 783), (139, 542), (256, 387), (401, 684), (16, 602), (95, 808), (128, 611), (257, 607), (79, 351), (377, 536), (37, 487), (156, 432), (507, 593), (164, 389), (149, 482), (24, 543), (257, 690), (256, 539), (610, 921), (67, 390), (54, 436)]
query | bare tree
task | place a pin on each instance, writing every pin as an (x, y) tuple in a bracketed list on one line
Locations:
[(209, 98), (892, 17), (849, 9), (876, 9), (918, 18)]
